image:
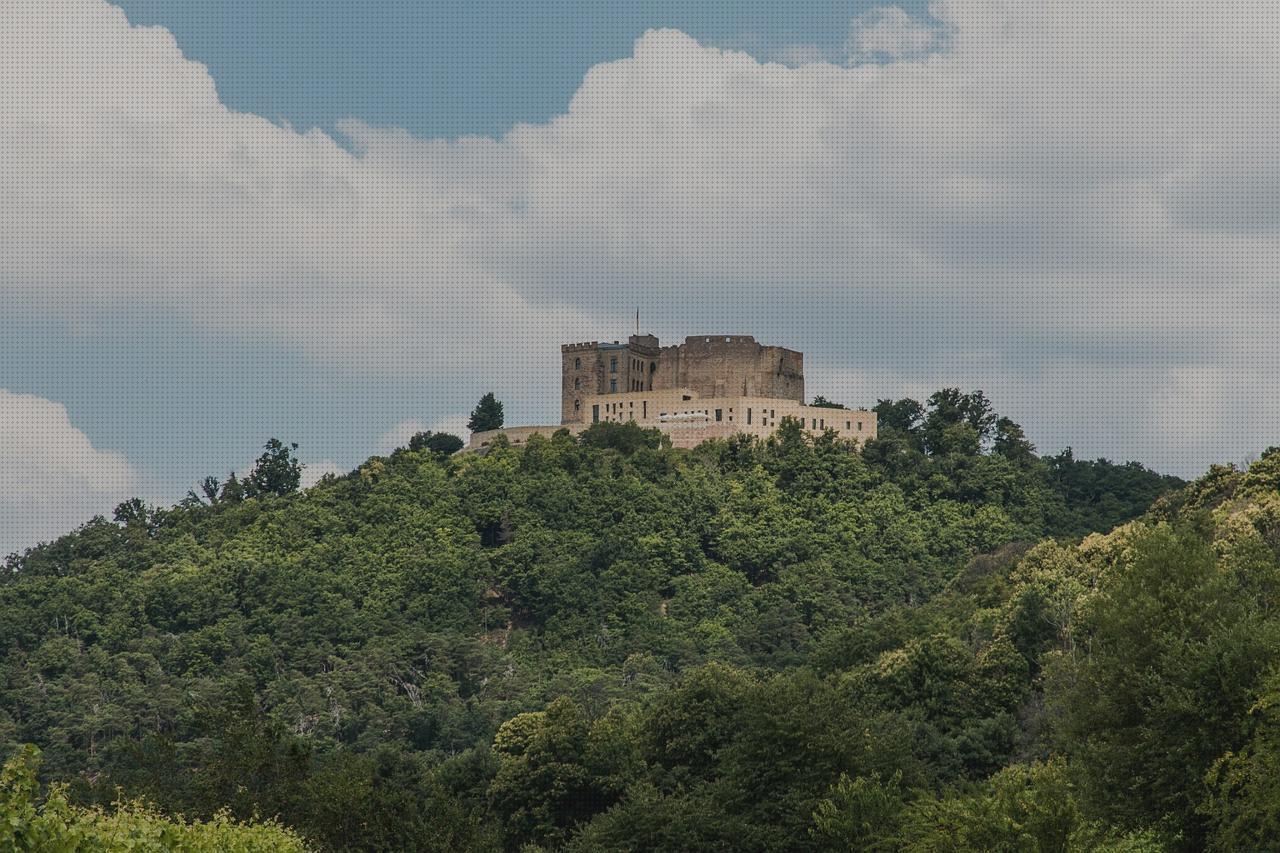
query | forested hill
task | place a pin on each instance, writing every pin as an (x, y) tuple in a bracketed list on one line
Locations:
[(605, 643)]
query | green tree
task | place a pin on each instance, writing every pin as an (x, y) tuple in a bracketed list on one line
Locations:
[(860, 814), (1011, 442), (1030, 808), (35, 819), (729, 643), (486, 415), (559, 768), (277, 471), (904, 416), (823, 403), (949, 409), (444, 444), (626, 438), (1169, 659), (210, 488), (133, 512), (1244, 785), (441, 443)]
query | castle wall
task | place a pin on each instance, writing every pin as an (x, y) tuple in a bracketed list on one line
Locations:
[(581, 374), (710, 386), (710, 365), (605, 368), (690, 419), (519, 435)]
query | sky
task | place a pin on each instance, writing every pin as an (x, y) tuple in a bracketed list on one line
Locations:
[(341, 223)]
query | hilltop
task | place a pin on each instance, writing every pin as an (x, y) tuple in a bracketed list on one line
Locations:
[(603, 642)]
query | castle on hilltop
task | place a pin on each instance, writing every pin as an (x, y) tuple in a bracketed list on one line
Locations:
[(710, 386)]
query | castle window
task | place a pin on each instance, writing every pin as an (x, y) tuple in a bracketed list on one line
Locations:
[(613, 365), (813, 423), (577, 382), (577, 404), (577, 364), (613, 386), (595, 413), (719, 414), (859, 426), (644, 409), (748, 417), (823, 423), (846, 425)]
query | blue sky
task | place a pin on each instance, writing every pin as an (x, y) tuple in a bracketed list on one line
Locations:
[(337, 223), (449, 68)]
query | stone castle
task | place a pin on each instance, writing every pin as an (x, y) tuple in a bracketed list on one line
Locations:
[(710, 386)]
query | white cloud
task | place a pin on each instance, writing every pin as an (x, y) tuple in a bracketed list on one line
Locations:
[(125, 177), (52, 478), (314, 472), (889, 33), (1066, 140), (455, 424), (801, 54), (399, 434), (1052, 190)]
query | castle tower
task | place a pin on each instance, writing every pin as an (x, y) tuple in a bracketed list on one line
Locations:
[(593, 368)]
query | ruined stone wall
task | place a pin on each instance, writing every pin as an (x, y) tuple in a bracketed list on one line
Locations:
[(710, 365), (732, 365), (780, 374)]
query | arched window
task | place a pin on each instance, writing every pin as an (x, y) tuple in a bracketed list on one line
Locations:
[(577, 382), (577, 364)]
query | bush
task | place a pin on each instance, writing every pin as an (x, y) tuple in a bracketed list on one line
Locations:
[(32, 819)]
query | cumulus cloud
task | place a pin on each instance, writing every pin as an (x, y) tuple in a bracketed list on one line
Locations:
[(52, 478), (129, 179), (801, 54), (1052, 190), (889, 33)]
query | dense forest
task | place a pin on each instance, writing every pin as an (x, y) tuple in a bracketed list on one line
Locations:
[(941, 641)]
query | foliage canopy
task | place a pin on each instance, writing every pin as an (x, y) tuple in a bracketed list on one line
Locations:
[(602, 642)]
